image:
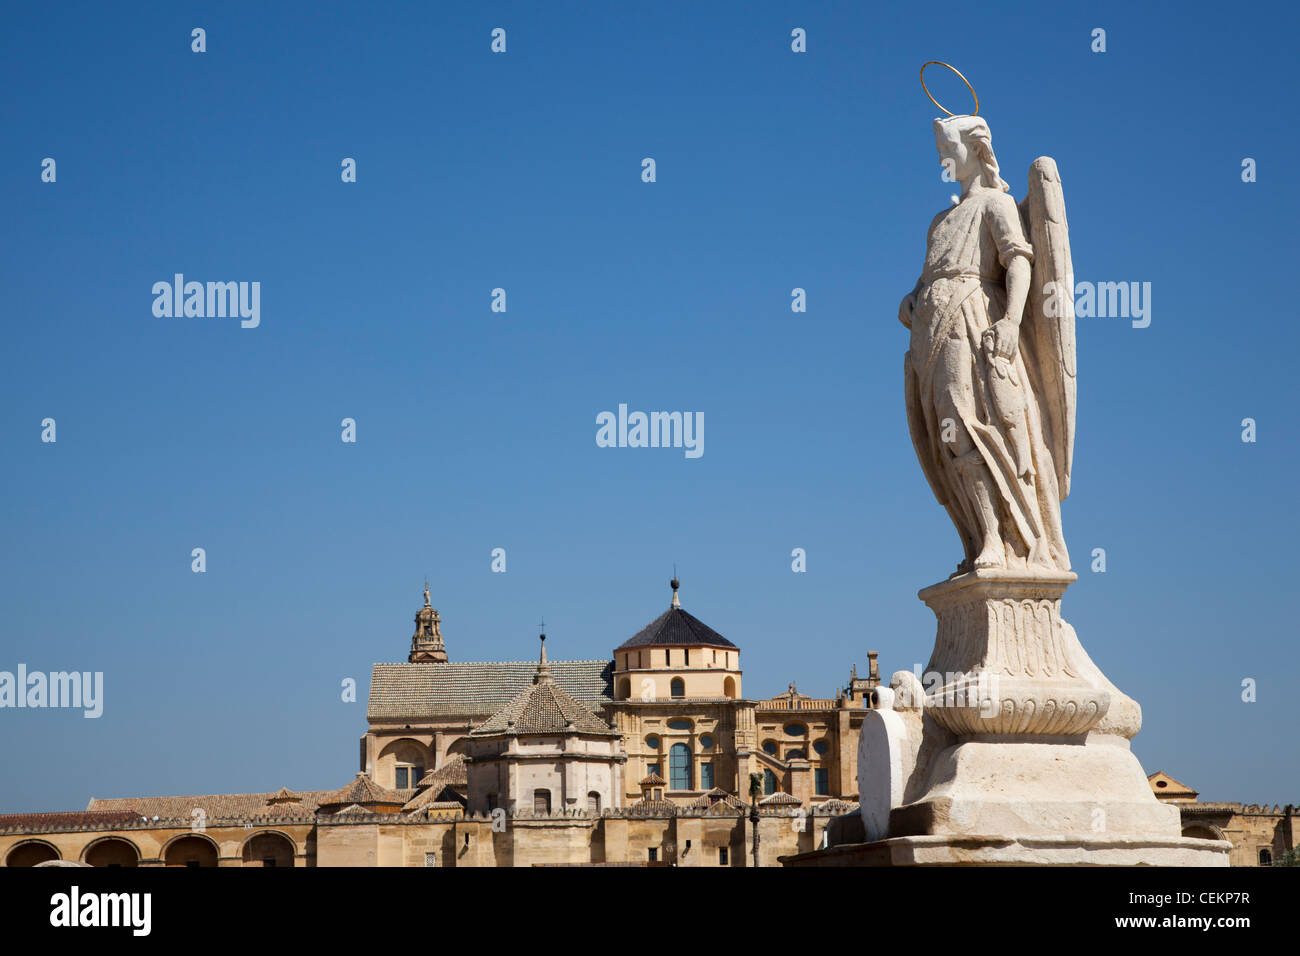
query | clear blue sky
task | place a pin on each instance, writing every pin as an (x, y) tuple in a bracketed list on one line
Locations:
[(476, 430)]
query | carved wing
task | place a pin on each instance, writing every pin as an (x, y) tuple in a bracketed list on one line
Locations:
[(1048, 325)]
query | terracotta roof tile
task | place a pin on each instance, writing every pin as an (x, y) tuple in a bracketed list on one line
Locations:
[(676, 628), (68, 819), (717, 795), (452, 773), (363, 790), (214, 805), (418, 691), (543, 708)]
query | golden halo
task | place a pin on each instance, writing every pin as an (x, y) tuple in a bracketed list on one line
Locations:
[(949, 66)]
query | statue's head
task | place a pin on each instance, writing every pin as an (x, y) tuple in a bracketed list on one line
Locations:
[(966, 147)]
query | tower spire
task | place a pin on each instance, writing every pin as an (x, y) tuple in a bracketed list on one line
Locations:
[(426, 643), (543, 674), (675, 584)]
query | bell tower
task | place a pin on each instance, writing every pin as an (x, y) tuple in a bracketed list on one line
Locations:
[(426, 643)]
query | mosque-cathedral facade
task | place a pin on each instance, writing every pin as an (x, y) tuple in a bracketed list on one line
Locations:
[(653, 757)]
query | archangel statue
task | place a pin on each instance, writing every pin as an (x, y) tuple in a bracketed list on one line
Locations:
[(990, 371)]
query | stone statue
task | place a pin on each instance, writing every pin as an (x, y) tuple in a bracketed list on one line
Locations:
[(1015, 747), (990, 373)]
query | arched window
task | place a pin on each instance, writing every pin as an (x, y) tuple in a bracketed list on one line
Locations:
[(268, 849), (542, 801), (679, 767), (593, 803), (729, 688), (112, 851), (677, 688), (1265, 858), (191, 851), (796, 754), (769, 783), (407, 759), (31, 853)]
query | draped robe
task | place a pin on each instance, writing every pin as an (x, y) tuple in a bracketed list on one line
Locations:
[(961, 293)]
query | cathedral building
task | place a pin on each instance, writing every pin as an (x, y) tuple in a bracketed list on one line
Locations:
[(653, 756), (671, 695)]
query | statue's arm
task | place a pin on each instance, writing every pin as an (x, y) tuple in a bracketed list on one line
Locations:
[(1019, 273), (1017, 257)]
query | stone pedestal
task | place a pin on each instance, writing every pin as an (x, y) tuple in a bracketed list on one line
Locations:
[(1017, 749)]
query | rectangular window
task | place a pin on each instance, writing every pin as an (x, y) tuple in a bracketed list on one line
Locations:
[(430, 859), (822, 780), (401, 778), (679, 767), (653, 768), (686, 656), (653, 856), (706, 775), (722, 856)]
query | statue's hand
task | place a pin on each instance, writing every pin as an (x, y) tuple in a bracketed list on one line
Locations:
[(1002, 338), (907, 309)]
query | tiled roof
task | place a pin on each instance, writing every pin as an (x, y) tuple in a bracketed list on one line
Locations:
[(676, 628), (284, 811), (543, 708), (780, 799), (435, 798), (717, 795), (452, 773), (652, 780), (214, 805), (363, 790), (476, 690), (72, 819)]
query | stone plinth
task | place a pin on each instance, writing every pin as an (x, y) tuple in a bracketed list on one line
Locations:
[(1016, 750)]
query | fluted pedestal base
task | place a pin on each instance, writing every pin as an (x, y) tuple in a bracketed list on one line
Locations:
[(1017, 748)]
